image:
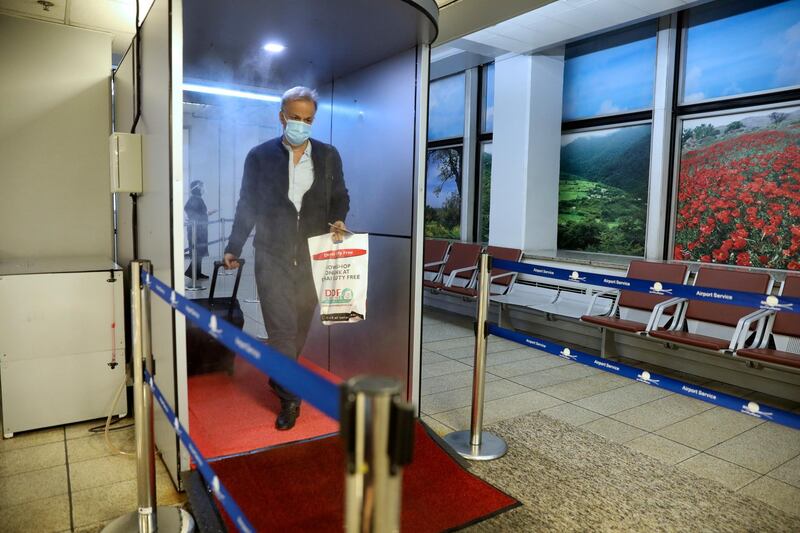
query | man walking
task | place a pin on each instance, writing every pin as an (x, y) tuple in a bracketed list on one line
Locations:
[(292, 189)]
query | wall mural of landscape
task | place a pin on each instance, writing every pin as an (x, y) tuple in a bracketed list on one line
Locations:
[(602, 204), (739, 190)]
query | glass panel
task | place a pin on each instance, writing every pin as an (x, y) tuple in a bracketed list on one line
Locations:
[(485, 192), (446, 108), (733, 49), (739, 190), (610, 74), (487, 106), (602, 200), (443, 193)]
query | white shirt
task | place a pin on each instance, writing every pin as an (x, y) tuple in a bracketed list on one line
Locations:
[(301, 175)]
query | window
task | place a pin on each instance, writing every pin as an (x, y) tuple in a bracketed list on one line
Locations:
[(740, 47), (738, 198), (446, 108), (602, 200), (487, 103), (605, 142), (443, 193), (611, 74)]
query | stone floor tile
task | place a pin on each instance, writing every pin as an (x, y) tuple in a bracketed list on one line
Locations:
[(554, 376), (709, 428), (101, 471), (457, 380), (762, 448), (30, 486), (429, 357), (81, 429), (623, 398), (662, 449), (526, 366), (95, 445), (732, 476), (38, 516), (788, 472), (571, 414), (662, 412), (449, 400), (440, 369), (500, 409), (440, 428), (613, 430), (26, 439), (509, 356), (571, 391), (449, 344), (776, 493), (32, 458)]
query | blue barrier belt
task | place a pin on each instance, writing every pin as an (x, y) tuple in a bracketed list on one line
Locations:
[(778, 416), (301, 381), (707, 294), (211, 479)]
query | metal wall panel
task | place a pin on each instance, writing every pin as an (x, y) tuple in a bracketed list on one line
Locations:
[(379, 344), (373, 128)]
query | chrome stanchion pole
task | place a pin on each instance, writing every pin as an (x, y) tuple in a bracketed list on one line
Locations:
[(148, 518), (194, 286), (378, 432), (477, 444)]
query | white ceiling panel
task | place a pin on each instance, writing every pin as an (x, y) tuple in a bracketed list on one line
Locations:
[(656, 6), (115, 15), (56, 12), (502, 42)]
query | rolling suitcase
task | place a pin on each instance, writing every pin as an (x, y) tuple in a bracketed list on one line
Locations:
[(204, 354)]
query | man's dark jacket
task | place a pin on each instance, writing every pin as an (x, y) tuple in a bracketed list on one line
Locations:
[(264, 202)]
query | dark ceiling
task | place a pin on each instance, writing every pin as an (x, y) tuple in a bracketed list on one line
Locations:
[(324, 39)]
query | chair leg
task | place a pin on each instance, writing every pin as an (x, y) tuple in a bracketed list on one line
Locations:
[(608, 345)]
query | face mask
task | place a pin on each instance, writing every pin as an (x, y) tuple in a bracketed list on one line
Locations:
[(297, 132)]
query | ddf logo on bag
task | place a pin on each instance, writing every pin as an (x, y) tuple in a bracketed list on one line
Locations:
[(340, 277)]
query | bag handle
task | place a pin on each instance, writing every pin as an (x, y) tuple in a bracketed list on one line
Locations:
[(217, 266)]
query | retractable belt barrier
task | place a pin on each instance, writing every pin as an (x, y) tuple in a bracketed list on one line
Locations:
[(728, 401), (377, 428), (301, 381), (212, 481), (706, 294)]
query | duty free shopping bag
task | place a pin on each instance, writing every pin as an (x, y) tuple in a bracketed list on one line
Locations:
[(340, 277)]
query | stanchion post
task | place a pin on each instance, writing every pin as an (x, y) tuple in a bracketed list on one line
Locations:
[(148, 518), (378, 432), (477, 444)]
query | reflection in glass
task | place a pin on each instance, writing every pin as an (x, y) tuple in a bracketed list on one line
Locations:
[(443, 193), (602, 201), (446, 108), (740, 47), (487, 105), (739, 190), (485, 184), (610, 74)]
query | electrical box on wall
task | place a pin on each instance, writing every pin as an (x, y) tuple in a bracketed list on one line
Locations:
[(126, 162)]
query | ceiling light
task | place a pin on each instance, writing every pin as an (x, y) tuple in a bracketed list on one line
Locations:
[(274, 48), (221, 91)]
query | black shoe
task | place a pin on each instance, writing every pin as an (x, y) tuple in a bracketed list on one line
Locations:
[(200, 275), (290, 410)]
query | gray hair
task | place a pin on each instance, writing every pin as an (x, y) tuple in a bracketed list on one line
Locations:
[(300, 93)]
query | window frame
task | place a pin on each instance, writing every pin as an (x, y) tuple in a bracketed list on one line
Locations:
[(719, 106), (481, 138)]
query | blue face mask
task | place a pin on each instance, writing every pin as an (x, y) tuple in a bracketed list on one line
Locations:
[(297, 132)]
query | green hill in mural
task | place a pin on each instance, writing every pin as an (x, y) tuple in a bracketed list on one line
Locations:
[(603, 191)]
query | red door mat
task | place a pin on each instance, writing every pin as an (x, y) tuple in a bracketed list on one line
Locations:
[(300, 487), (235, 414)]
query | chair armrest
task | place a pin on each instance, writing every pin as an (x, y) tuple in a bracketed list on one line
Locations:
[(453, 273), (492, 278), (601, 293), (658, 312), (743, 327), (433, 264)]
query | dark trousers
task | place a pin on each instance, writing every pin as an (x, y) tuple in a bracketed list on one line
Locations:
[(288, 301)]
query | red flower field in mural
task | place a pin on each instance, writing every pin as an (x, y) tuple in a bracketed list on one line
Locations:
[(739, 193)]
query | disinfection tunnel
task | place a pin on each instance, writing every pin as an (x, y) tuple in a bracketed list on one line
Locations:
[(206, 80)]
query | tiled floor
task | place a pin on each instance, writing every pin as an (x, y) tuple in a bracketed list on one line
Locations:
[(758, 458), (67, 479)]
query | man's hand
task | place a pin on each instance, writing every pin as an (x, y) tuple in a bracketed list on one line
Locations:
[(230, 261), (338, 230)]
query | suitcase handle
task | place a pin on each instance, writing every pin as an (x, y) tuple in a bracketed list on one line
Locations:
[(217, 266)]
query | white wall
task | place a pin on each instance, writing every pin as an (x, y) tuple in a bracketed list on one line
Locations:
[(54, 127)]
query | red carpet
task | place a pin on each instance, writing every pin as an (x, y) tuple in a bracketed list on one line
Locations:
[(301, 488), (230, 415)]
